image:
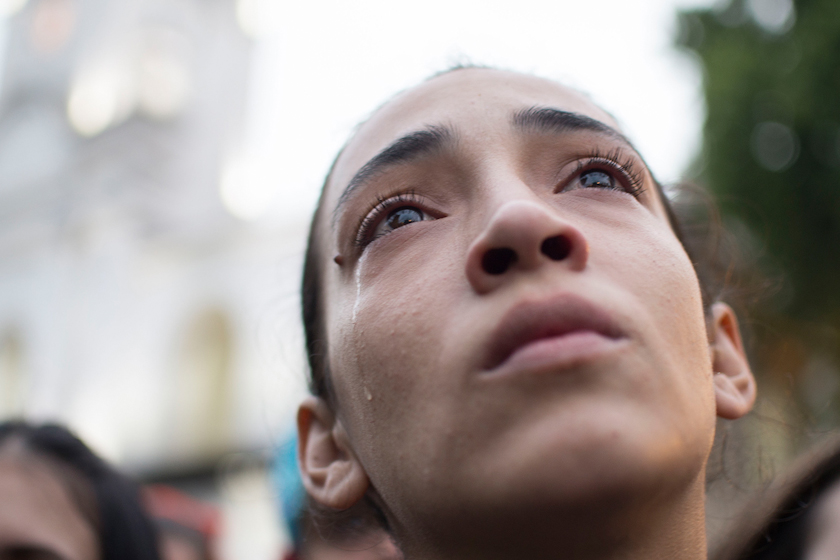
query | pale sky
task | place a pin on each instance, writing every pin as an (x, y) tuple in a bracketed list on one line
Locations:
[(321, 67)]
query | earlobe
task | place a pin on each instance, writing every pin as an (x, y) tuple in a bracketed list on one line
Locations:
[(734, 383), (330, 471)]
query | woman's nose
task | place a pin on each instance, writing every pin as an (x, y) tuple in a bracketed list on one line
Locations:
[(522, 236)]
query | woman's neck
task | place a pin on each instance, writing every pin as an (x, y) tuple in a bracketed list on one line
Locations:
[(672, 530)]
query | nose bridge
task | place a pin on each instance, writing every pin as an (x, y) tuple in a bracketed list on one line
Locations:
[(523, 234), (509, 199)]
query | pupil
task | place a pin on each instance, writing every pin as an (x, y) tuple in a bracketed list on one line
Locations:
[(403, 216), (596, 179)]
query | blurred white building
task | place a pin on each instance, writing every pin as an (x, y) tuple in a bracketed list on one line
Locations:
[(133, 306)]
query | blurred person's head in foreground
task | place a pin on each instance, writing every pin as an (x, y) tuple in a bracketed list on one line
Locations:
[(59, 501), (511, 351), (187, 527), (355, 539), (796, 518)]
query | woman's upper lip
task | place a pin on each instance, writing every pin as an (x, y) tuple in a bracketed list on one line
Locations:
[(536, 319)]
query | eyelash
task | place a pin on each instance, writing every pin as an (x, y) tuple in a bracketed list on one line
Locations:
[(618, 161), (372, 219)]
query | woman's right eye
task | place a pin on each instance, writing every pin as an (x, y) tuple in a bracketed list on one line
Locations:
[(397, 218), (382, 220)]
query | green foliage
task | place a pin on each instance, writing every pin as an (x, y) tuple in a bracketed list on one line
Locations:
[(771, 148)]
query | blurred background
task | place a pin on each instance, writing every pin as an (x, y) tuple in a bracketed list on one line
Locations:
[(160, 159)]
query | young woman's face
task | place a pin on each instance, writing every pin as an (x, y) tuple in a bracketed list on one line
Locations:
[(511, 322)]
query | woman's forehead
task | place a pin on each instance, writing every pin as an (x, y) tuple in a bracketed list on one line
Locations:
[(467, 99)]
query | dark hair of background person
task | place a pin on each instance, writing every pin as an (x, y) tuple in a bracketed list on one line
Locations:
[(124, 529), (778, 524)]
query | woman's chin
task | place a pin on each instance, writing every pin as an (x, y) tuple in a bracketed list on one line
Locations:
[(611, 455), (609, 477)]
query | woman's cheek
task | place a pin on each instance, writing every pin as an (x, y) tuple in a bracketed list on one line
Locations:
[(650, 265), (675, 305), (386, 328), (658, 269)]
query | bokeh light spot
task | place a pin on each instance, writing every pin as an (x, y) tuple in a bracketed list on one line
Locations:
[(774, 145), (257, 18), (92, 104), (11, 7), (164, 85), (774, 16), (245, 189)]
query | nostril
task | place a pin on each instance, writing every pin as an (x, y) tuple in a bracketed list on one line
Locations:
[(556, 248), (497, 261)]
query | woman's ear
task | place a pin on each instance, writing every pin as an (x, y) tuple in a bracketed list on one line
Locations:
[(733, 378), (331, 473)]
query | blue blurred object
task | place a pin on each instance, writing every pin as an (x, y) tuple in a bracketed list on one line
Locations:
[(289, 487)]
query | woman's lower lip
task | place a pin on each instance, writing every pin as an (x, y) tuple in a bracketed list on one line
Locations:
[(558, 352)]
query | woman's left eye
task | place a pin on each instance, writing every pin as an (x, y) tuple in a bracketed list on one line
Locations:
[(614, 172), (597, 178)]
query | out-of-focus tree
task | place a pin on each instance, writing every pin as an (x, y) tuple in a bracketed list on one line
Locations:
[(771, 156)]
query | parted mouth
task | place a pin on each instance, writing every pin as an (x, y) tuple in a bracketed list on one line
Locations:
[(534, 320)]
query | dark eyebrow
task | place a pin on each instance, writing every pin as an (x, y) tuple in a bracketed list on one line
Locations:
[(406, 148), (555, 121)]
